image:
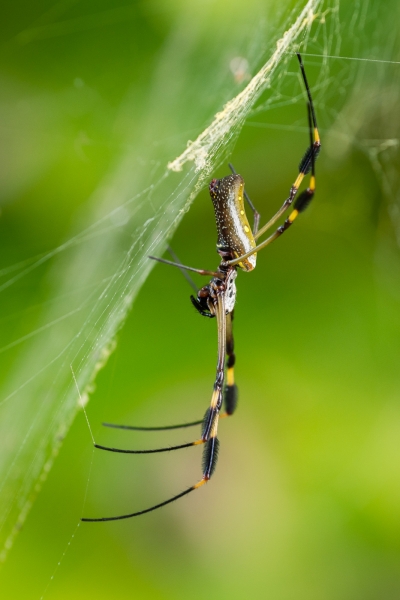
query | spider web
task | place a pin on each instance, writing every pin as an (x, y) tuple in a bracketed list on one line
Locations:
[(95, 277), (96, 274)]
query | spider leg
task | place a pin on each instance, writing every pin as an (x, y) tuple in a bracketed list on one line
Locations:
[(302, 201), (256, 214), (152, 451), (183, 271), (211, 418), (212, 412), (199, 308), (231, 391), (210, 424), (162, 428), (305, 163), (173, 264), (142, 512)]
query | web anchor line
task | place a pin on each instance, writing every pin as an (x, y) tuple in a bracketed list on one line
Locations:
[(83, 406), (372, 60)]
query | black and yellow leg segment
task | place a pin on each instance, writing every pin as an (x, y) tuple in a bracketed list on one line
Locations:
[(300, 206), (211, 418), (306, 163), (210, 452), (309, 157), (305, 167), (231, 391), (210, 457), (212, 413)]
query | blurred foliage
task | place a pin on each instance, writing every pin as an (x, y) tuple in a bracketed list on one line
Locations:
[(305, 499)]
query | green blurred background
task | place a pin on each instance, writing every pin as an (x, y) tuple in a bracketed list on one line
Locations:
[(305, 502)]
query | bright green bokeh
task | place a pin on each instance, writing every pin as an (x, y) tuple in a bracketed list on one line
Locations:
[(305, 503)]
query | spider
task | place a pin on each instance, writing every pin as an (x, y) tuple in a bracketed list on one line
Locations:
[(237, 247)]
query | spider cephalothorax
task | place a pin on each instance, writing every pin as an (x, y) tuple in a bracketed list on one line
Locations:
[(207, 296)]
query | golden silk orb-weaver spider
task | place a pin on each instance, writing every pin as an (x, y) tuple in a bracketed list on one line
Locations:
[(237, 246)]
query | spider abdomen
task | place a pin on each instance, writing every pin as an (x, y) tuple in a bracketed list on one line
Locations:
[(234, 232)]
